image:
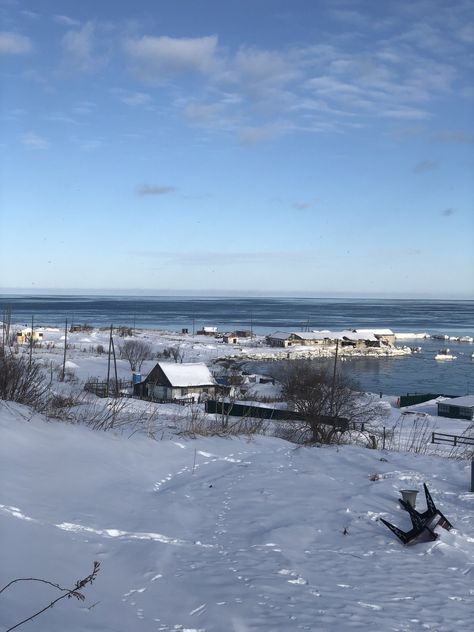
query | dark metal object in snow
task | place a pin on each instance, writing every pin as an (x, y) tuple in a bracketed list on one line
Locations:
[(423, 524)]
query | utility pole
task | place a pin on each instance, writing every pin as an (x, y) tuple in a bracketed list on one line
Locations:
[(333, 387), (115, 366), (108, 362), (31, 342), (64, 356)]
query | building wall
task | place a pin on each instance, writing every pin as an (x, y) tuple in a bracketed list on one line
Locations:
[(165, 392), (456, 412)]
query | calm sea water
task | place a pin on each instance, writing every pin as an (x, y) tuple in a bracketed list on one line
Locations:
[(419, 372)]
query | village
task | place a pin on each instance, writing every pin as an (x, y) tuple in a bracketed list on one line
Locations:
[(187, 368)]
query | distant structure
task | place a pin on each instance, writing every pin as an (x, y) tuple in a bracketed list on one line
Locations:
[(457, 408), (235, 337), (355, 338), (25, 336), (207, 331)]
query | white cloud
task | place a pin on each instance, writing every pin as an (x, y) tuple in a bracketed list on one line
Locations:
[(156, 58), (14, 44), (84, 107), (29, 14), (259, 70), (255, 135), (203, 112), (67, 21), (34, 141), (81, 48)]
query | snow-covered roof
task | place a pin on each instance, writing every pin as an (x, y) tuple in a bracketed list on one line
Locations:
[(187, 373), (325, 334), (345, 334), (308, 335), (378, 332), (466, 400)]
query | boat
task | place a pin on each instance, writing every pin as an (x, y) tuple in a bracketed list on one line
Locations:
[(444, 354)]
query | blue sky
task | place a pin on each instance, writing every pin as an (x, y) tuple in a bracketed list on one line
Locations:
[(267, 146)]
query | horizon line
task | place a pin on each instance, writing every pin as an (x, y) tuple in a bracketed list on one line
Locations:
[(207, 293)]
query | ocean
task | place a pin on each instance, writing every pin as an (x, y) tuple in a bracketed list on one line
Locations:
[(416, 373)]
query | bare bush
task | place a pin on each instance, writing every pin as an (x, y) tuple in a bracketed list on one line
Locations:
[(197, 423), (123, 332), (104, 416), (61, 406), (174, 352), (411, 433), (329, 405), (136, 352), (23, 381)]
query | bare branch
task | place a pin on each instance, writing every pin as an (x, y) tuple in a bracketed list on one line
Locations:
[(68, 592)]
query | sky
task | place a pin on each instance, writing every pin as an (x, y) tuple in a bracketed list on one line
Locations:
[(310, 147)]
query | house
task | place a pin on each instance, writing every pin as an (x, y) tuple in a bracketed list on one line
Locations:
[(235, 336), (384, 335), (458, 407), (207, 331), (170, 380), (25, 336), (347, 338), (278, 339)]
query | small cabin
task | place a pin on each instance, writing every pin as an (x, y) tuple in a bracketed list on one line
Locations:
[(171, 380), (25, 336)]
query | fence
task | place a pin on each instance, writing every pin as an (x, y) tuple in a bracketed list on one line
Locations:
[(108, 389), (233, 409), (455, 440), (410, 399)]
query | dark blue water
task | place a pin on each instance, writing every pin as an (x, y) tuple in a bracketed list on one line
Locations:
[(418, 372), (263, 315)]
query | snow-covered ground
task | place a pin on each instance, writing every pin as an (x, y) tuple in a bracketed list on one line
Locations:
[(219, 534), (214, 534)]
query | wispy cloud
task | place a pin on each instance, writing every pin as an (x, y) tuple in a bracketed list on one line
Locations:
[(453, 136), (331, 86), (84, 107), (255, 135), (157, 58), (67, 21), (202, 113), (14, 44), (29, 14), (146, 189), (34, 141), (83, 50), (425, 165)]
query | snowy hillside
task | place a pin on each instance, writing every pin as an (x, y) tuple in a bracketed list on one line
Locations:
[(225, 534)]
